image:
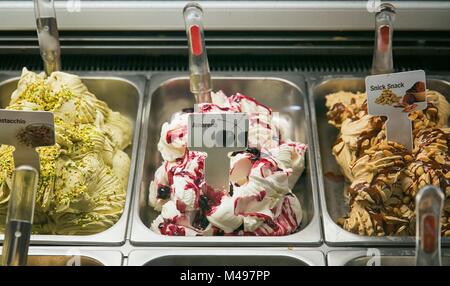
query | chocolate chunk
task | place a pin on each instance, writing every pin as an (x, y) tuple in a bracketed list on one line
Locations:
[(409, 98), (204, 203), (255, 152), (163, 192)]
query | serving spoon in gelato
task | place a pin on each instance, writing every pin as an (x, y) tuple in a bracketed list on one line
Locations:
[(200, 76), (21, 206), (217, 133), (429, 206), (48, 36), (83, 178)]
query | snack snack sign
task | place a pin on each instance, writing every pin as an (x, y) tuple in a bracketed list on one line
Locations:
[(395, 95)]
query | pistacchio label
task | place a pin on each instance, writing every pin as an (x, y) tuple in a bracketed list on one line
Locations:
[(27, 128), (12, 121)]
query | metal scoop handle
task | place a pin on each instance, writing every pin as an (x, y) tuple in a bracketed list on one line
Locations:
[(429, 205), (20, 216), (47, 30), (200, 76), (384, 26)]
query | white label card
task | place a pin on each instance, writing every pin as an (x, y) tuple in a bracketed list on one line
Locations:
[(395, 95), (217, 134), (217, 130), (27, 128)]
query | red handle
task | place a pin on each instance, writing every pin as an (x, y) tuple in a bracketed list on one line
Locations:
[(429, 233), (196, 44), (384, 38)]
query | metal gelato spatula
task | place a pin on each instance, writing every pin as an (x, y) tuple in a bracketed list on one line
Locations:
[(216, 134), (429, 205), (393, 95), (25, 130), (47, 30), (200, 76), (384, 26)]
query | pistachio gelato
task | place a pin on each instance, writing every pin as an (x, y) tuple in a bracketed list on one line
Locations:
[(384, 177), (84, 176)]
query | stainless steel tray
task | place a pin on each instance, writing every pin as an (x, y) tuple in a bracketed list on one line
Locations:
[(225, 257), (169, 93), (332, 191), (125, 94), (378, 257), (71, 256)]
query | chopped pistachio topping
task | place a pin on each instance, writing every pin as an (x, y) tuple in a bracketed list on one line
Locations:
[(78, 191)]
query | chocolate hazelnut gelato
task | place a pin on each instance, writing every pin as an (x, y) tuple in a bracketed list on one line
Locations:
[(383, 176)]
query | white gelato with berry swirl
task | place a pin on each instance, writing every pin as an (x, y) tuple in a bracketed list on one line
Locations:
[(260, 200)]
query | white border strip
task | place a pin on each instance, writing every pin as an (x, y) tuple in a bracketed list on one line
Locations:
[(227, 15)]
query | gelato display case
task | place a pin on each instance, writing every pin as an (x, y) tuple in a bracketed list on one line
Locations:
[(317, 182)]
